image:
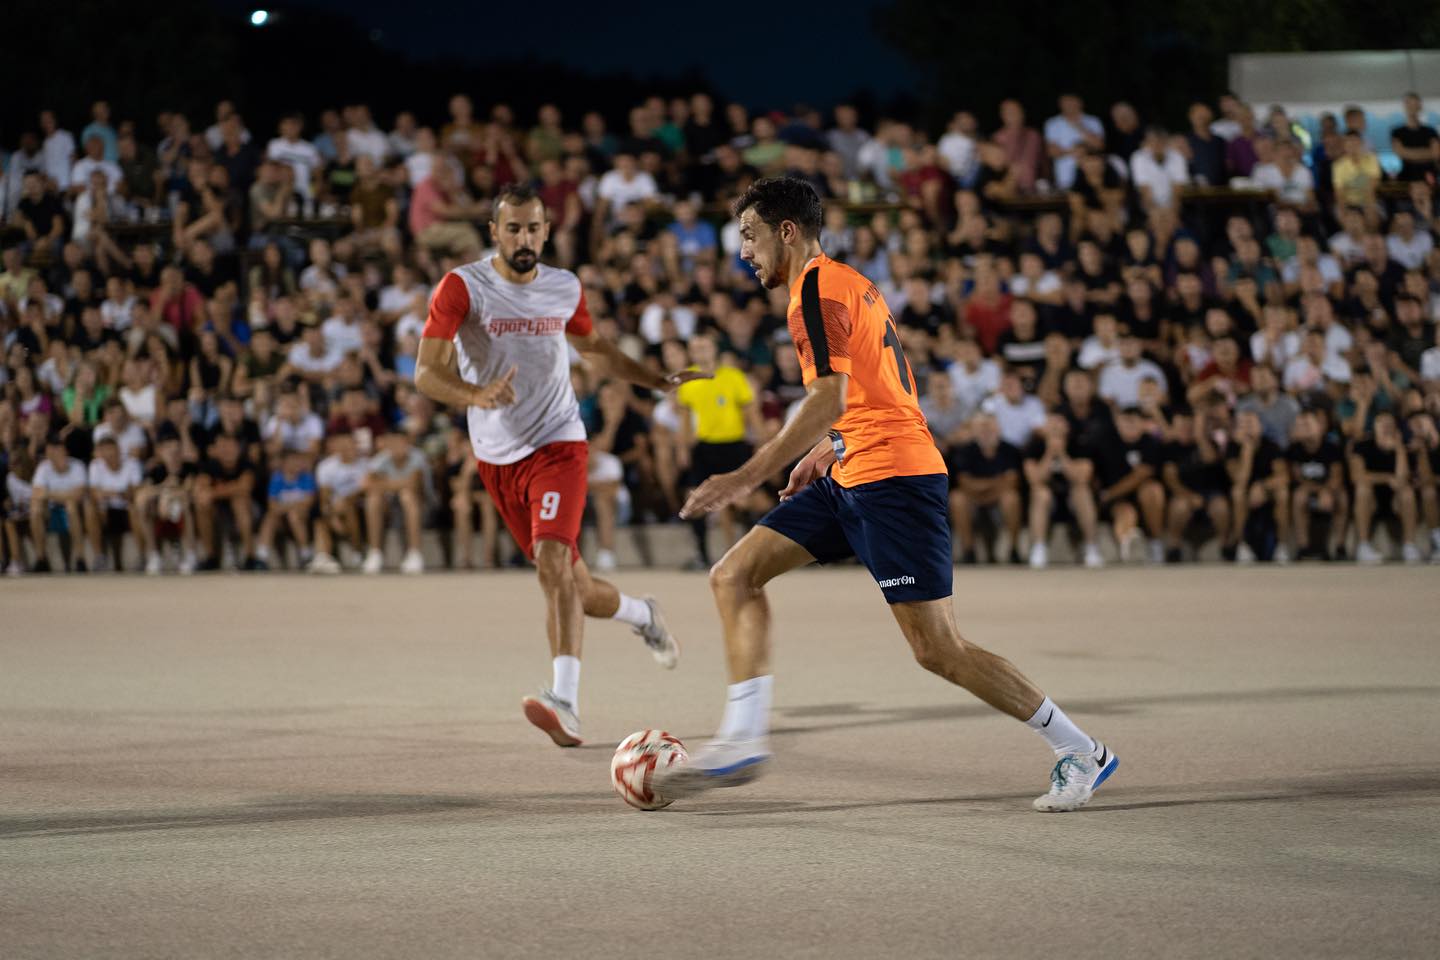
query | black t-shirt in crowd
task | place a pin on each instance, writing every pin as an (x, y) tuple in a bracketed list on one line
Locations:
[(1415, 138), (1375, 459), (219, 473), (1035, 451), (929, 317), (42, 213), (1116, 459), (1313, 466), (1267, 452), (972, 461), (1092, 431), (1195, 473)]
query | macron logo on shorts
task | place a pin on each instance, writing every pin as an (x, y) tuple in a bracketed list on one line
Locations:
[(896, 582)]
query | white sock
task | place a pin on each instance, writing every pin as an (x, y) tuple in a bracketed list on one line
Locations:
[(1059, 731), (632, 610), (747, 710), (566, 684)]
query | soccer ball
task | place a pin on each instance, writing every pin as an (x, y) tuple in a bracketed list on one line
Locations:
[(635, 761)]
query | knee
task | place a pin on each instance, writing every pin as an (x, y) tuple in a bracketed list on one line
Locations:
[(553, 562), (937, 655), (731, 577), (1040, 496), (1152, 494)]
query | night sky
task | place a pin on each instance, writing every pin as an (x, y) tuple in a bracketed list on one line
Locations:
[(763, 54)]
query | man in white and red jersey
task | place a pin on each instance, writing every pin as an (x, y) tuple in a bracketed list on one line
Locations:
[(497, 343)]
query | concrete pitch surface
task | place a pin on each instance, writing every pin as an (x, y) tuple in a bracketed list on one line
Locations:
[(290, 767)]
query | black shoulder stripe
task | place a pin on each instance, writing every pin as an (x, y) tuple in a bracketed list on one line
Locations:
[(815, 322)]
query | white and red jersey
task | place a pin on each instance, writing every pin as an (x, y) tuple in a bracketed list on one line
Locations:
[(497, 324)]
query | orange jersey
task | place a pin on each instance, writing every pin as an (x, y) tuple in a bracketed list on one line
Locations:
[(840, 324)]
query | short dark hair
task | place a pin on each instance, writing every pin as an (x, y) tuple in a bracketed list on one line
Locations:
[(516, 195), (777, 199)]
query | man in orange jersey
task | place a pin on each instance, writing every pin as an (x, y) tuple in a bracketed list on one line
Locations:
[(873, 487)]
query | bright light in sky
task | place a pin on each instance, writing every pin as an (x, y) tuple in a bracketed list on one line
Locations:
[(259, 18)]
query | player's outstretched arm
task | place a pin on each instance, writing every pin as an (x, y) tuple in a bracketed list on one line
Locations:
[(614, 362), (437, 378), (824, 402)]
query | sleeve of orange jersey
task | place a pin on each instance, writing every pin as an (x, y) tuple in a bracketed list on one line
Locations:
[(449, 306), (827, 313)]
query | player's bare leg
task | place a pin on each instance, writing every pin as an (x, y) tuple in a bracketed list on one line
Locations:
[(554, 710), (740, 749), (602, 600)]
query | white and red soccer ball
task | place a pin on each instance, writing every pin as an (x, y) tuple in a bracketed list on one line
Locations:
[(635, 762)]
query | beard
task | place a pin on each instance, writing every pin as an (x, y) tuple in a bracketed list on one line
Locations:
[(522, 260)]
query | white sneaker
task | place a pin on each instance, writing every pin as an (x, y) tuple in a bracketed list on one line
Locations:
[(323, 563), (605, 560), (1127, 546), (413, 562), (1039, 556), (14, 569), (154, 564), (1282, 555), (1243, 554), (1368, 556), (720, 763), (1157, 552), (374, 562), (663, 646), (187, 563), (555, 716), (349, 557), (1093, 558), (1075, 778), (1411, 554)]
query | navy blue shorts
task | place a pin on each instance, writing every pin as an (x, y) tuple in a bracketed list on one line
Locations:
[(898, 527)]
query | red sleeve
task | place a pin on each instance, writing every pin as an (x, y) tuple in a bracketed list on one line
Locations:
[(449, 306), (580, 323)]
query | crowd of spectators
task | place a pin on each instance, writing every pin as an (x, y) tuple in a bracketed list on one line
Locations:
[(210, 334)]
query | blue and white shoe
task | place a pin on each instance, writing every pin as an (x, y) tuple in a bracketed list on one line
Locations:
[(719, 763), (1076, 777)]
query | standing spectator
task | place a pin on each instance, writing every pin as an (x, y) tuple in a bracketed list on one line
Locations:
[(26, 160), (57, 500), (1023, 146), (1356, 175), (986, 474), (94, 160), (1059, 473), (59, 150), (1240, 155), (397, 478), (958, 148), (1380, 474), (718, 416), (1206, 150), (110, 510), (1068, 135), (1416, 144)]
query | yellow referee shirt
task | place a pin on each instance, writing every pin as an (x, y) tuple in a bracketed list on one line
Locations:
[(718, 404)]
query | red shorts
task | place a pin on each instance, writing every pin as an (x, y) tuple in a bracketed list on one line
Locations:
[(543, 496)]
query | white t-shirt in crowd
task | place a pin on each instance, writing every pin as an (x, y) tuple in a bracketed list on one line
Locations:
[(300, 155), (132, 439), (1294, 188), (342, 337), (621, 192), (1410, 254), (140, 404), (301, 358), (1095, 354), (1430, 365), (80, 173), (652, 319), (58, 151), (1048, 283), (971, 387), (115, 484), (1328, 266), (1303, 376), (1161, 176), (1277, 356), (295, 436), (50, 480), (1018, 421), (118, 314), (1121, 384), (958, 149), (340, 478), (369, 143)]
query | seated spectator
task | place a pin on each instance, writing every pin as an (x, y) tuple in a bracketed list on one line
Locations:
[(1259, 476), (1380, 474), (58, 492), (1317, 488), (1103, 346), (1406, 245), (289, 503), (1356, 175), (1315, 369), (986, 477), (1120, 379), (1291, 180), (1059, 473), (1226, 375), (340, 481), (15, 510), (1018, 414), (110, 509), (1277, 411), (292, 427), (945, 414), (1425, 458), (1127, 464), (398, 477), (1158, 171), (1196, 482), (164, 506)]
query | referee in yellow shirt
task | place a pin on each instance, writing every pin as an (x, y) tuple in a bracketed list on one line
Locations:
[(714, 436)]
